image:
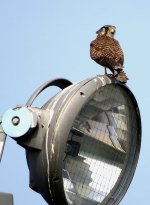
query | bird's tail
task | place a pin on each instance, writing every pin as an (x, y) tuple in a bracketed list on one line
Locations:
[(121, 76)]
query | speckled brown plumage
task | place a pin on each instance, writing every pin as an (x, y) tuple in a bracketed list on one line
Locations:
[(106, 51)]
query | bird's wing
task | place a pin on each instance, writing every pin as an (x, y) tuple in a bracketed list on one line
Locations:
[(95, 51), (107, 52), (98, 50), (101, 50), (118, 52)]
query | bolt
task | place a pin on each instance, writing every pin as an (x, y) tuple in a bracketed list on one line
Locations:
[(15, 120)]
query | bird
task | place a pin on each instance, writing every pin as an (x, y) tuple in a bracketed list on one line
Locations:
[(107, 52)]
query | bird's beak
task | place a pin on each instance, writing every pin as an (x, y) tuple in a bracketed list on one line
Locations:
[(98, 31)]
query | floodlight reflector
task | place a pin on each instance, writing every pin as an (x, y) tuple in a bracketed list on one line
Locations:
[(103, 129)]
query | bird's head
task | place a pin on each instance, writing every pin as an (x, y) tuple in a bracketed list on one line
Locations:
[(107, 30)]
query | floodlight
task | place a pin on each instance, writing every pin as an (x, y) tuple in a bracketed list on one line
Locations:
[(82, 146)]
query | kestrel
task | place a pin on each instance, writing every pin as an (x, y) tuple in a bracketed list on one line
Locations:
[(106, 51)]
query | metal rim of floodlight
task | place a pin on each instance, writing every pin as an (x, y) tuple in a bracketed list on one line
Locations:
[(46, 166)]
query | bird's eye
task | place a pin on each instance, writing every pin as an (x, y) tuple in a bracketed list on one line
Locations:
[(112, 31)]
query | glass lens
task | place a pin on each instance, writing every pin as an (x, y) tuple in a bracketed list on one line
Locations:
[(97, 146)]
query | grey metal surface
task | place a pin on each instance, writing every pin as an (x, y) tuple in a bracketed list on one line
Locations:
[(2, 139), (6, 199)]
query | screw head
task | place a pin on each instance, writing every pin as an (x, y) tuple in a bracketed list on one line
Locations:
[(15, 120)]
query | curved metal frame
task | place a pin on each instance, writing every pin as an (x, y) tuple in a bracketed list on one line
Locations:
[(59, 82), (61, 129), (50, 159)]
